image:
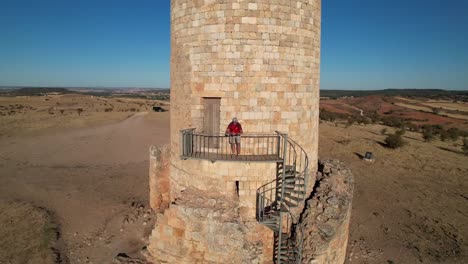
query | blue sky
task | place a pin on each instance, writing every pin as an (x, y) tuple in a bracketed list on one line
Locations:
[(366, 44)]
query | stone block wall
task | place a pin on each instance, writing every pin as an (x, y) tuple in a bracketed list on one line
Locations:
[(222, 177), (203, 227), (262, 59)]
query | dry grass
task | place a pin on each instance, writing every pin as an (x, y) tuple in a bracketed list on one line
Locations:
[(32, 115), (448, 106), (27, 234), (415, 107), (429, 108), (410, 206)]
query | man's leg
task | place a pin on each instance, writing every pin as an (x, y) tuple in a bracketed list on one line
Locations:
[(238, 148), (233, 148)]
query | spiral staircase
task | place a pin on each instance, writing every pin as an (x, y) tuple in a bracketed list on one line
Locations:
[(277, 199)]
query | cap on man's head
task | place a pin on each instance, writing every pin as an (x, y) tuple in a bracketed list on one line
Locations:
[(234, 119)]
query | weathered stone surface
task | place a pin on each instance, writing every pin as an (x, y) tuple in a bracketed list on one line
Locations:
[(325, 220), (159, 177), (205, 227)]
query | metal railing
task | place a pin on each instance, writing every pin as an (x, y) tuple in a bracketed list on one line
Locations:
[(254, 147), (276, 198)]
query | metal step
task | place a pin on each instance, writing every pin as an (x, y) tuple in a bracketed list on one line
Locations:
[(291, 172), (290, 180), (290, 204), (289, 196), (297, 192), (273, 228), (270, 221), (286, 258), (287, 187), (291, 175)]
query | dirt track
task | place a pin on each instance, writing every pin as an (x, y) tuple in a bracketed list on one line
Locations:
[(88, 178)]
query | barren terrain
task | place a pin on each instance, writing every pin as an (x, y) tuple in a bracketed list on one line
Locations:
[(84, 179), (93, 179), (411, 204)]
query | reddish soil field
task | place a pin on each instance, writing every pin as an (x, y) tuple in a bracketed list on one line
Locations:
[(384, 106)]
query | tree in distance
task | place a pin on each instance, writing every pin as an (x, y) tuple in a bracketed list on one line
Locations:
[(428, 134), (394, 140)]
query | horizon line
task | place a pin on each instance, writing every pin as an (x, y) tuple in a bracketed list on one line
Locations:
[(159, 88)]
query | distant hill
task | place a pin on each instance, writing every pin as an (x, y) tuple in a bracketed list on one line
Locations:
[(429, 93), (40, 91)]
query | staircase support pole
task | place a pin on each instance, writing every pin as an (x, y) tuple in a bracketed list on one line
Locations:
[(283, 177)]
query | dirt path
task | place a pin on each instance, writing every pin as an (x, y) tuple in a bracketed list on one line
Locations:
[(88, 178)]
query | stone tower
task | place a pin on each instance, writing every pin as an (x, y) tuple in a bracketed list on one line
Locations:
[(259, 61)]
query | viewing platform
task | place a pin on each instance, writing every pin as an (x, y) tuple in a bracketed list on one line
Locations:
[(254, 147)]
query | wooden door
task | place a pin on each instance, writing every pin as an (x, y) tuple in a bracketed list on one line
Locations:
[(211, 120)]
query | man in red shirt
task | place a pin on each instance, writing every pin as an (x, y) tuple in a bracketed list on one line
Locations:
[(234, 130)]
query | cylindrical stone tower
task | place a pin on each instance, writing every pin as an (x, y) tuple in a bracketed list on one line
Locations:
[(260, 58), (257, 60)]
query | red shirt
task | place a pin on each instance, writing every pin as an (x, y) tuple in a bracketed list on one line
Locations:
[(234, 128)]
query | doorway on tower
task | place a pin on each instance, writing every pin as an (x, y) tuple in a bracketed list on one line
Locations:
[(211, 120)]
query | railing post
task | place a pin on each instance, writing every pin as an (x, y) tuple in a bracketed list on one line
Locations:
[(182, 145), (285, 145), (190, 144), (280, 232), (278, 145)]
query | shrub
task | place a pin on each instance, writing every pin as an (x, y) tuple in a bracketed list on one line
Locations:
[(383, 131), (453, 133), (465, 146), (443, 136), (394, 141), (79, 110), (350, 122), (374, 117), (392, 121), (362, 120), (464, 134), (412, 127), (428, 134), (400, 132), (326, 115), (430, 131)]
